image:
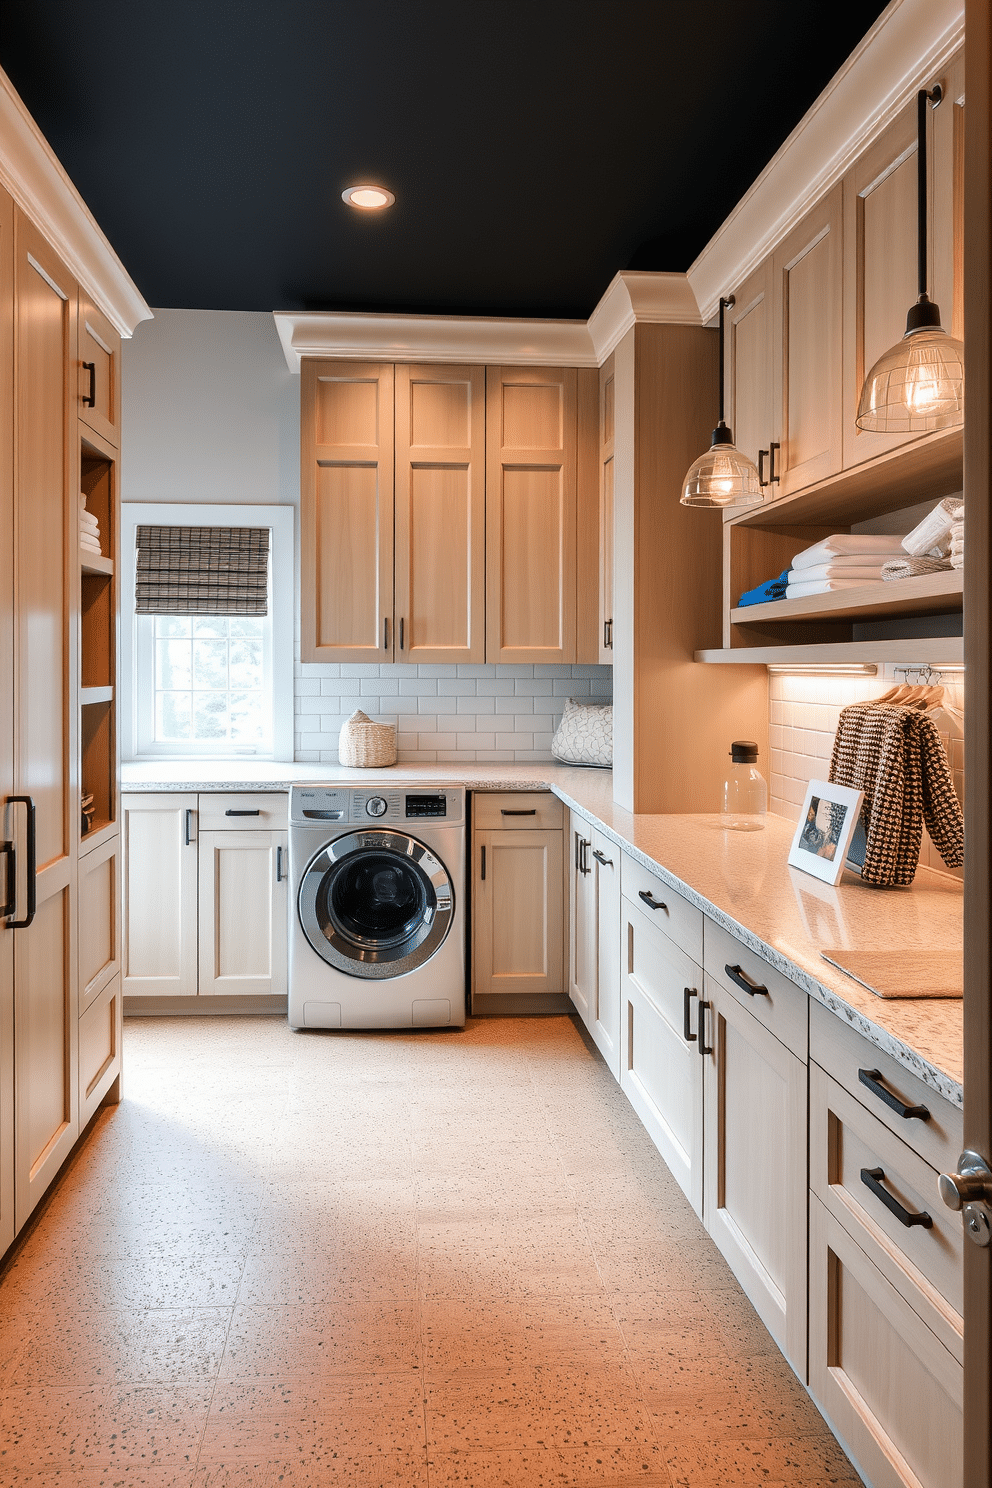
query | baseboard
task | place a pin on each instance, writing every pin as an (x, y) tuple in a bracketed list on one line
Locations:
[(186, 1007), (526, 1005)]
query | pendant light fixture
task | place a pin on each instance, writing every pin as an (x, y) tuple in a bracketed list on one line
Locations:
[(723, 476), (918, 385)]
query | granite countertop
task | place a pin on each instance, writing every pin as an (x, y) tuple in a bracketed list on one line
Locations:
[(741, 879)]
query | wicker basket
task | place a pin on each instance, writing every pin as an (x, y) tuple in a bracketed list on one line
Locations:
[(366, 745)]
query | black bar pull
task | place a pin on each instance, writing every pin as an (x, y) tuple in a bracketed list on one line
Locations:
[(701, 1026), (401, 632), (89, 401), (32, 864), (278, 865), (483, 863), (575, 855), (385, 632), (531, 812), (872, 1178), (773, 477), (688, 993), (189, 825), (649, 899), (872, 1079), (738, 975), (583, 860), (609, 643), (601, 858), (10, 881), (255, 812), (762, 457)]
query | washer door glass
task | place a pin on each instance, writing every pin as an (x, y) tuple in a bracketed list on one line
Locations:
[(376, 904)]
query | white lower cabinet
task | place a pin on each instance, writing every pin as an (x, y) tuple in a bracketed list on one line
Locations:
[(594, 931), (205, 911)]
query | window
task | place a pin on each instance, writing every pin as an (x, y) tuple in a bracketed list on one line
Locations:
[(211, 684)]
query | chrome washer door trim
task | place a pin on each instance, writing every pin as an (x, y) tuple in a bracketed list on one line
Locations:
[(364, 957)]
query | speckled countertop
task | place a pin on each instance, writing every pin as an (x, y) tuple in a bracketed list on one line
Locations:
[(741, 879)]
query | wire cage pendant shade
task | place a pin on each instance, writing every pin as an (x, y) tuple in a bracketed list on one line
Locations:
[(723, 476), (917, 386)]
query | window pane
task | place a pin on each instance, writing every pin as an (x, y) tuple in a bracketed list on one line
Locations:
[(172, 715), (246, 663), (246, 625), (209, 663), (209, 715), (167, 626), (210, 625), (173, 664), (247, 723)]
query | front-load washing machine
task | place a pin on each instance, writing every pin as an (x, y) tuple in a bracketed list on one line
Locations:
[(377, 909)]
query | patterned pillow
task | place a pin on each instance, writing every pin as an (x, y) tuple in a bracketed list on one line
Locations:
[(585, 735)]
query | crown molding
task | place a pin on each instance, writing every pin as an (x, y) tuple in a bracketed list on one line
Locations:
[(910, 42), (632, 298), (31, 172)]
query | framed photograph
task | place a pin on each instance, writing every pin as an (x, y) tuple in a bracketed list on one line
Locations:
[(826, 825)]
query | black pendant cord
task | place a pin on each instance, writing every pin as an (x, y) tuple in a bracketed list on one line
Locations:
[(725, 304), (924, 97)]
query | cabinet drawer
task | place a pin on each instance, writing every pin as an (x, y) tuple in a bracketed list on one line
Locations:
[(666, 909), (888, 1387), (507, 810), (924, 1264), (229, 811), (844, 1053), (782, 1007)]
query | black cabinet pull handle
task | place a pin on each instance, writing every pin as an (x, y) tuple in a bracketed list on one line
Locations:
[(872, 1178), (688, 993), (583, 860), (401, 632), (738, 975), (10, 881), (772, 448), (575, 855), (650, 901), (483, 863), (278, 865), (32, 863), (762, 457), (189, 825), (701, 1029), (385, 632), (89, 400), (255, 812), (607, 635), (872, 1079), (600, 858), (532, 811)]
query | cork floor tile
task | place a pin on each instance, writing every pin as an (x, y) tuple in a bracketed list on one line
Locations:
[(376, 1260)]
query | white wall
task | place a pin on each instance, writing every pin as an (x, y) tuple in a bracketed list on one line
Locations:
[(212, 413)]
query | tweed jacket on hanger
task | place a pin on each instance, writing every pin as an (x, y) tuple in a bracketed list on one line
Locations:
[(894, 754)]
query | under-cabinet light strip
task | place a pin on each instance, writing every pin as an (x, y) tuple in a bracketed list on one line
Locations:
[(826, 668)]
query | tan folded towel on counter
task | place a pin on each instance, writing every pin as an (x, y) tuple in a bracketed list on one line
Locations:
[(930, 973)]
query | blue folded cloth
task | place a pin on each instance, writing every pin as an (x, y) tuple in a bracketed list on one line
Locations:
[(762, 593)]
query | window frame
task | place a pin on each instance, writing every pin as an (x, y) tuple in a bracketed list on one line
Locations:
[(136, 732)]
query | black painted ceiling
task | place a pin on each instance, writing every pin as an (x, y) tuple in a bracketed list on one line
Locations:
[(535, 146)]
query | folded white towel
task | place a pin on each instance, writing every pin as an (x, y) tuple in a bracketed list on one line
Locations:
[(863, 572), (88, 524), (934, 530), (957, 560), (879, 545), (909, 567), (824, 586), (90, 545)]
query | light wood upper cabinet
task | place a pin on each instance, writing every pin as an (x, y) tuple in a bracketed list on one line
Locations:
[(530, 514), (880, 247), (346, 511), (807, 270), (440, 570), (607, 428), (750, 381), (99, 358)]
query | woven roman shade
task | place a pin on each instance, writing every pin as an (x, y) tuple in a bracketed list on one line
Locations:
[(201, 571)]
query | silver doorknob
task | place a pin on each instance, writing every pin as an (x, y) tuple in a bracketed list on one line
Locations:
[(970, 1190)]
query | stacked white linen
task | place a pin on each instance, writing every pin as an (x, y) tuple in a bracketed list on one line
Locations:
[(843, 561), (956, 534), (89, 529), (932, 536)]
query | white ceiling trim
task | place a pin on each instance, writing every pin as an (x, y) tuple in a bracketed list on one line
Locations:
[(632, 298), (908, 45), (30, 171)]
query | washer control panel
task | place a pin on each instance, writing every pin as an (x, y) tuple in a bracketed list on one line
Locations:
[(376, 806), (327, 805)]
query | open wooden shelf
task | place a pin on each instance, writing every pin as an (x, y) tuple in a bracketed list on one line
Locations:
[(927, 594), (90, 563), (937, 650), (90, 695), (929, 468)]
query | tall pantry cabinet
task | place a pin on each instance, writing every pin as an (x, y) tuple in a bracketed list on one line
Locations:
[(55, 1065)]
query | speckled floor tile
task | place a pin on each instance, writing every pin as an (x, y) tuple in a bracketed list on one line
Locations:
[(120, 1475), (550, 1467), (142, 1424), (348, 1338), (701, 1464), (321, 1470), (462, 1336), (42, 1345), (101, 1282), (584, 1406), (356, 1416)]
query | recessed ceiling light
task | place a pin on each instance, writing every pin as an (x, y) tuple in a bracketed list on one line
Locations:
[(369, 198)]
